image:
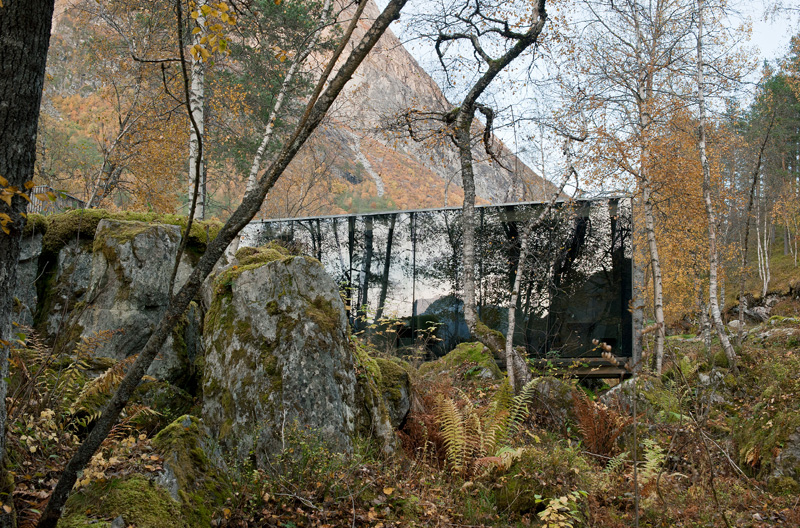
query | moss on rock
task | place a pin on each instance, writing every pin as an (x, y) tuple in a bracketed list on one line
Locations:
[(494, 339), (249, 258), (82, 223), (189, 470), (139, 501), (465, 354), (35, 223)]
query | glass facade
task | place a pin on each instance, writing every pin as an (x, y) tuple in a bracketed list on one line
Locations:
[(403, 270)]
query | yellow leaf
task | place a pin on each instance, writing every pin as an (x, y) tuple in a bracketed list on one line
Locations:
[(29, 185), (5, 229), (3, 182), (6, 507), (196, 30), (388, 491), (195, 14), (226, 512), (6, 198), (206, 10)]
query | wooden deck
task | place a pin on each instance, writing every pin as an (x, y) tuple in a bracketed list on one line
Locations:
[(584, 368)]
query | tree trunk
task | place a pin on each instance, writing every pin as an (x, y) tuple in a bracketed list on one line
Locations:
[(363, 276), (386, 265), (655, 265), (197, 128), (463, 140), (250, 205), (713, 255), (24, 39)]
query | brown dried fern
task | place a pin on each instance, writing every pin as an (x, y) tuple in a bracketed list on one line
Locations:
[(599, 425)]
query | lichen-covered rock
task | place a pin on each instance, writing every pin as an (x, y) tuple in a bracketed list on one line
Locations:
[(65, 287), (786, 472), (395, 386), (27, 270), (476, 357), (372, 416), (277, 352), (193, 471), (139, 501), (132, 263)]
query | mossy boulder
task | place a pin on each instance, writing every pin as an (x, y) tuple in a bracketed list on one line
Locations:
[(373, 418), (277, 352), (132, 263), (549, 471), (395, 387), (139, 501), (193, 473), (82, 224), (476, 357)]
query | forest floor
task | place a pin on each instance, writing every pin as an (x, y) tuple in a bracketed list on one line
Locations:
[(708, 444)]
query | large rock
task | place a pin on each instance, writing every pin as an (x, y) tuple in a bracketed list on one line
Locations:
[(128, 293), (27, 270), (277, 353), (786, 473), (66, 287)]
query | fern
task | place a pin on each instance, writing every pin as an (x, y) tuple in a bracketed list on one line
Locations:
[(654, 458), (100, 387), (451, 423), (469, 435)]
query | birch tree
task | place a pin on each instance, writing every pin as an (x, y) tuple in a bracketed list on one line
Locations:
[(622, 73), (483, 37)]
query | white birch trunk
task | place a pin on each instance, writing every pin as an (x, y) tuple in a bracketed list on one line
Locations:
[(258, 159), (713, 256), (197, 134), (655, 266)]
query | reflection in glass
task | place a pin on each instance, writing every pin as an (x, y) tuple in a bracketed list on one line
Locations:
[(403, 270)]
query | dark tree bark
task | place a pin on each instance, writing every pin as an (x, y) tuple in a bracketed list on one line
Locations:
[(386, 265), (319, 104), (24, 39)]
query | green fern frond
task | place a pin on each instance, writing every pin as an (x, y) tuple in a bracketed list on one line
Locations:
[(451, 424), (101, 385), (518, 410)]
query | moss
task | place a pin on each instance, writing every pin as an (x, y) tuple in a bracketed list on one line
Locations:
[(493, 339), (139, 501), (393, 377), (82, 223), (784, 486), (35, 223), (251, 258), (465, 354), (201, 487), (324, 314), (548, 471), (366, 362)]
